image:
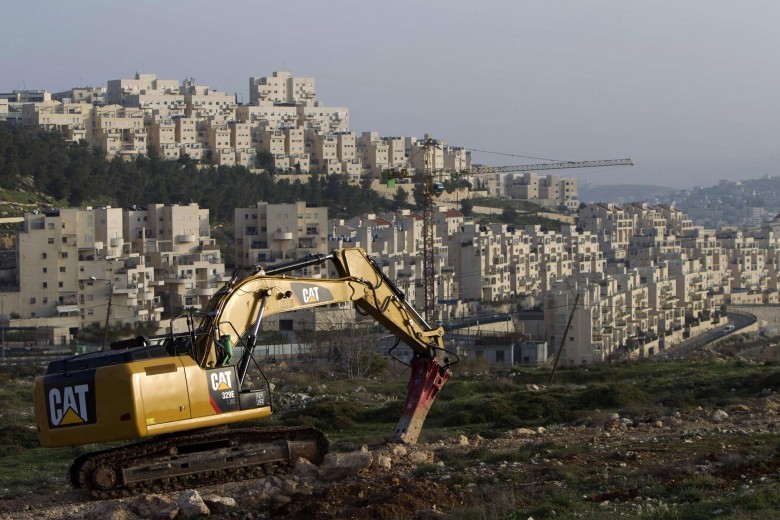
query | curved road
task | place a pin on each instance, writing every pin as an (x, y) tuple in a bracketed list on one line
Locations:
[(685, 348)]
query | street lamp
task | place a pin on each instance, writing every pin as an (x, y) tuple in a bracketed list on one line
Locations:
[(108, 309)]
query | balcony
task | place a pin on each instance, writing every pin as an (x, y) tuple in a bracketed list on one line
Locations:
[(186, 238), (282, 235)]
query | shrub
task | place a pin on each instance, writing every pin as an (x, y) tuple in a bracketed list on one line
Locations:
[(771, 381), (612, 396), (508, 421), (387, 413), (458, 419), (327, 414), (15, 437)]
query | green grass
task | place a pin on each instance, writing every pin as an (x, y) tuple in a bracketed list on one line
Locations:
[(15, 203), (34, 471)]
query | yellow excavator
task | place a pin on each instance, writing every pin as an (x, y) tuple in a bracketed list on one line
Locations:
[(176, 396)]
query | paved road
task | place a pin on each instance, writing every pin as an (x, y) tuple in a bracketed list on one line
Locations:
[(685, 348)]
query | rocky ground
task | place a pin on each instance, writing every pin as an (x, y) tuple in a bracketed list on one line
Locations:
[(484, 478)]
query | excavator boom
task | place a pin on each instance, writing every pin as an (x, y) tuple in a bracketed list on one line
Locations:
[(243, 302)]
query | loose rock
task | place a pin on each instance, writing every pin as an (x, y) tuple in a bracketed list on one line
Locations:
[(191, 504)]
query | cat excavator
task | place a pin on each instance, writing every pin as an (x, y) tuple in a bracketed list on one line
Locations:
[(176, 397)]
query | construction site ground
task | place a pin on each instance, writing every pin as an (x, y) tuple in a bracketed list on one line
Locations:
[(692, 462)]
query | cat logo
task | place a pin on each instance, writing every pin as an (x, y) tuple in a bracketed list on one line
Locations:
[(221, 380), (222, 394), (311, 294), (307, 293), (68, 405)]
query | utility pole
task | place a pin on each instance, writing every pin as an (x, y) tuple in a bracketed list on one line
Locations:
[(108, 313), (2, 326), (563, 339), (110, 284)]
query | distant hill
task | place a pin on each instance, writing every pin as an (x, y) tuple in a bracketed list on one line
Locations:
[(622, 193)]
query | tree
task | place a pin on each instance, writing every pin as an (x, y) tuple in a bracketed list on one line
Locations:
[(349, 344), (265, 160), (509, 215), (400, 198), (466, 207)]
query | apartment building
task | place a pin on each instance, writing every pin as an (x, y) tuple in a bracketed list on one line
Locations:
[(273, 117), (268, 233), (66, 269), (551, 191), (281, 88), (68, 118), (119, 91), (176, 241), (611, 224), (118, 130), (89, 95)]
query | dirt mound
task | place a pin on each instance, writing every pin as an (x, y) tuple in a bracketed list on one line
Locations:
[(386, 497)]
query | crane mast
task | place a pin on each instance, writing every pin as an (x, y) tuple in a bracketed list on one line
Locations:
[(429, 270)]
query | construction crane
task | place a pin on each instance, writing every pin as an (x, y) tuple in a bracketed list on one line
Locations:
[(431, 188)]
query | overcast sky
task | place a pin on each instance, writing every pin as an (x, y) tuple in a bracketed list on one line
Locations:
[(687, 89)]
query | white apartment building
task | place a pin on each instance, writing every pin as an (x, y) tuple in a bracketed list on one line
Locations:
[(176, 241), (68, 118), (67, 269), (281, 88), (75, 262), (268, 233), (89, 95), (119, 90), (611, 224)]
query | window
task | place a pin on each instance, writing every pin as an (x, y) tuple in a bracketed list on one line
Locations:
[(43, 256), (32, 300), (62, 269), (45, 285), (60, 284), (45, 269), (50, 240), (499, 356)]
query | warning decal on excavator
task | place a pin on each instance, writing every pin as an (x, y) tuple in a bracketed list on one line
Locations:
[(222, 389), (310, 293), (70, 401)]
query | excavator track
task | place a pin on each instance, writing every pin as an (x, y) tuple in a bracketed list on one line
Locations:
[(195, 459)]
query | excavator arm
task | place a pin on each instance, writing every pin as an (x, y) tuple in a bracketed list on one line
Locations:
[(235, 313)]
